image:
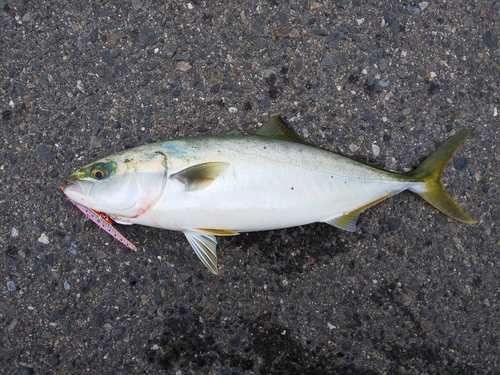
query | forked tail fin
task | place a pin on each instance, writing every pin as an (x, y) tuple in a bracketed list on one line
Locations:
[(430, 173)]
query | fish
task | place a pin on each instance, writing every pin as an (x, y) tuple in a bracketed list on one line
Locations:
[(222, 185)]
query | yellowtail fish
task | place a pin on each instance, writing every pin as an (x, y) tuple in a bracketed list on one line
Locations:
[(221, 185)]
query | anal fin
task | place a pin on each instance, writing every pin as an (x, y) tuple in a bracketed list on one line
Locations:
[(348, 220), (345, 222)]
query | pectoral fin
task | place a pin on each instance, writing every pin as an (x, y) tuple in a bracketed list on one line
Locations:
[(200, 176), (204, 245)]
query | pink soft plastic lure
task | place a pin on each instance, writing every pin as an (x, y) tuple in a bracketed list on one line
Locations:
[(105, 223)]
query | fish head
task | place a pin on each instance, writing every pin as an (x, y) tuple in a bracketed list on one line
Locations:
[(124, 185)]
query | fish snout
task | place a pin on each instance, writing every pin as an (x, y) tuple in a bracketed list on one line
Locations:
[(77, 187)]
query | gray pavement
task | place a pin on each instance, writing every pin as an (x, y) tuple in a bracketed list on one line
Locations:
[(410, 292)]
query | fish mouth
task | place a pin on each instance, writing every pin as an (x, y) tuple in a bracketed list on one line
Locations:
[(81, 187)]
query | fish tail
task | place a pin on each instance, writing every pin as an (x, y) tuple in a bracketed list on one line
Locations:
[(430, 173)]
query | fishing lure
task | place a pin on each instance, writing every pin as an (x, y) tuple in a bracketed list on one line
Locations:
[(104, 222)]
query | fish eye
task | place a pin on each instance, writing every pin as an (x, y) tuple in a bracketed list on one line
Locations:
[(99, 172)]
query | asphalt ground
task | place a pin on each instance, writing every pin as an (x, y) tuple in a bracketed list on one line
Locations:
[(410, 292)]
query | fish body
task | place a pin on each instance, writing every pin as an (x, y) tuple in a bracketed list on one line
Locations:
[(206, 186), (261, 185)]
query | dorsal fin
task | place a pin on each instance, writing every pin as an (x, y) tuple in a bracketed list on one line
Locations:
[(277, 128)]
